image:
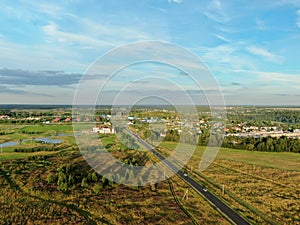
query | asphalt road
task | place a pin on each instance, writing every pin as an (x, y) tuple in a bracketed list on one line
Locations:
[(225, 209)]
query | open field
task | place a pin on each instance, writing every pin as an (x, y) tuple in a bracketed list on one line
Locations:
[(263, 186), (278, 160), (29, 195), (17, 155)]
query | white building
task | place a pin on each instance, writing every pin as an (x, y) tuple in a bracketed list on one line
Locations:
[(104, 130)]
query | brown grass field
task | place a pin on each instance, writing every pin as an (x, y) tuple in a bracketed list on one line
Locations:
[(263, 186)]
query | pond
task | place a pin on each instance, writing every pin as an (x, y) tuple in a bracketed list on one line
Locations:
[(48, 140), (8, 144), (44, 140)]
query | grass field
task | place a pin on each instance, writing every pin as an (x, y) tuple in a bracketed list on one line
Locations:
[(27, 196), (17, 155), (278, 160), (263, 186), (23, 135)]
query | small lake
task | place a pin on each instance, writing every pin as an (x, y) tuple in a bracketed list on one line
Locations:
[(44, 140), (48, 140), (8, 144)]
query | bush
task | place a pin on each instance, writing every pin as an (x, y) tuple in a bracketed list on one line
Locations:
[(51, 178), (97, 188), (84, 183)]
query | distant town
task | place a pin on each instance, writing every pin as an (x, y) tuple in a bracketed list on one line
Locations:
[(244, 129)]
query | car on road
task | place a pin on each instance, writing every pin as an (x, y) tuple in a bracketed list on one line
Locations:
[(185, 174), (204, 189)]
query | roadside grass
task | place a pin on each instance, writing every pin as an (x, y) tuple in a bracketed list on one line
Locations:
[(261, 185), (200, 210)]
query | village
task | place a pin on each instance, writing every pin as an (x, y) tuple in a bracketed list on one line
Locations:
[(104, 125)]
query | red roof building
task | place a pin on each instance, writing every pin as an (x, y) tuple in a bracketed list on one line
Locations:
[(56, 120)]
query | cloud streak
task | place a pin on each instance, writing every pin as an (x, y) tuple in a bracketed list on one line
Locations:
[(55, 34), (13, 91), (265, 54), (47, 77), (176, 1), (216, 12)]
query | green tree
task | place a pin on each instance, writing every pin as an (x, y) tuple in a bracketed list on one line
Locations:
[(97, 188), (84, 183), (94, 177), (51, 178), (62, 184)]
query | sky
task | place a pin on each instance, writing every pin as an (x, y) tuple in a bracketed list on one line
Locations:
[(250, 48)]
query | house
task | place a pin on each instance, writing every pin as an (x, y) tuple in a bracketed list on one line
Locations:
[(56, 120), (68, 119), (151, 120), (163, 134), (103, 130)]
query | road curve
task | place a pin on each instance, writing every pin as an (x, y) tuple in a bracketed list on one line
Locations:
[(220, 205)]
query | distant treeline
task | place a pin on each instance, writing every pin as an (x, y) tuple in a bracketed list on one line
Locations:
[(269, 144), (29, 106), (35, 149), (266, 117)]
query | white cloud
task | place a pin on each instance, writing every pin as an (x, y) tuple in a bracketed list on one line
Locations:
[(53, 31), (216, 12), (39, 57), (176, 1), (292, 79), (94, 35), (221, 37), (227, 57), (52, 10), (298, 18), (268, 56)]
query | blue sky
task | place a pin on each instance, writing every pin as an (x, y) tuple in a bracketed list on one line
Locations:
[(251, 47)]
